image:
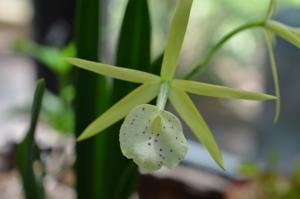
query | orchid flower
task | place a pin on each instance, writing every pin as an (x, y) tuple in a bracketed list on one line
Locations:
[(150, 135)]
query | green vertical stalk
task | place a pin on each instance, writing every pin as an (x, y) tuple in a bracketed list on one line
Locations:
[(91, 99), (32, 186), (133, 51)]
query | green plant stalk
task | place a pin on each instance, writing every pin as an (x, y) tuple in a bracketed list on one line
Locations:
[(133, 51), (33, 188), (91, 98), (271, 9), (199, 68)]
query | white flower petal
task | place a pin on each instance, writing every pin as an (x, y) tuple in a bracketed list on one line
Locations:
[(152, 138)]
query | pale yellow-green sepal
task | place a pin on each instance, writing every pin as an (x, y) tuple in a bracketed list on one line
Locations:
[(211, 90), (189, 113), (114, 71), (290, 34), (274, 74), (175, 38), (141, 95)]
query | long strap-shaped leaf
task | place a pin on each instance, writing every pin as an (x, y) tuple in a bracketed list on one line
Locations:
[(218, 91), (141, 95), (33, 188), (189, 113), (114, 71), (175, 38)]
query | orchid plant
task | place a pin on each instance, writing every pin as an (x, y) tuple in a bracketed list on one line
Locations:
[(150, 135)]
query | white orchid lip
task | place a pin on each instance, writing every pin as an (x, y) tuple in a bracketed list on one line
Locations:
[(152, 138)]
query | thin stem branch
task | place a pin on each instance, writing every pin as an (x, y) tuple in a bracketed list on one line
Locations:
[(220, 43), (271, 9)]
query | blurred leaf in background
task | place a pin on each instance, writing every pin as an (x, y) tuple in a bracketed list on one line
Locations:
[(28, 153), (52, 57)]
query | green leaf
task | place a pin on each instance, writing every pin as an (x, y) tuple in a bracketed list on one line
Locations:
[(290, 34), (114, 71), (218, 91), (189, 113), (53, 58), (134, 45), (274, 74), (133, 51), (152, 138), (33, 187), (140, 95), (91, 99), (175, 39)]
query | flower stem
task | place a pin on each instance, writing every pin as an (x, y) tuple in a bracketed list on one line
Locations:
[(220, 43), (163, 96)]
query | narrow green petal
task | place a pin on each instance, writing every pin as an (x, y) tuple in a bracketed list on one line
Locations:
[(175, 38), (290, 34), (218, 91), (140, 95), (189, 113), (152, 138), (274, 74), (114, 71)]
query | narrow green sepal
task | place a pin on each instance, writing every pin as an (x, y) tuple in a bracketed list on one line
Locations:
[(175, 39), (121, 73), (274, 74), (211, 90), (140, 95), (290, 34), (189, 113)]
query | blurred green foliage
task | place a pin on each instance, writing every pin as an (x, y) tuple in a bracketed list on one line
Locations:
[(28, 152), (57, 110), (271, 183)]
